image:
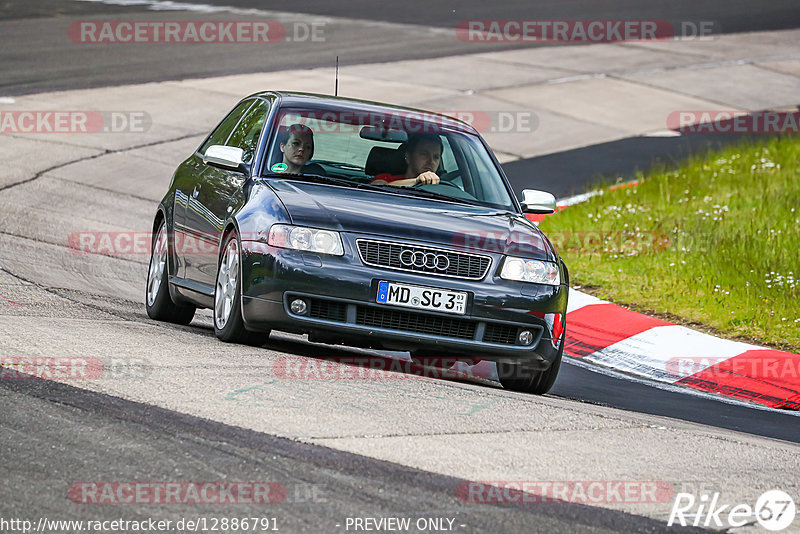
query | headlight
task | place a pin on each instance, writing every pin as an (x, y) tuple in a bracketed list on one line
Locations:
[(302, 238), (538, 272)]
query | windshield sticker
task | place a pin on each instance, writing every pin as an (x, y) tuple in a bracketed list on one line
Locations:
[(278, 167)]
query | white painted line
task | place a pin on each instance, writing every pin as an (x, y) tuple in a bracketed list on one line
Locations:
[(583, 197), (662, 133)]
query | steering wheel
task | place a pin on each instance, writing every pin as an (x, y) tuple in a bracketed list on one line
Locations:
[(450, 175), (458, 193), (445, 180)]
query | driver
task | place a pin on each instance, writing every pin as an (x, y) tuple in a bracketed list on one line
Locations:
[(423, 155), (298, 148)]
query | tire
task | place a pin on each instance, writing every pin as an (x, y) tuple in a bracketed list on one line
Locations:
[(516, 377), (157, 300), (228, 322)]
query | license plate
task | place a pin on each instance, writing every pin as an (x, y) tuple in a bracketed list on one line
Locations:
[(422, 298)]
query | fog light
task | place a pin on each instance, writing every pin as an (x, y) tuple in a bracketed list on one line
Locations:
[(298, 307), (525, 337)]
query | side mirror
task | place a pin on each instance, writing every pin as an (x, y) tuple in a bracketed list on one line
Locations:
[(541, 202), (229, 157)]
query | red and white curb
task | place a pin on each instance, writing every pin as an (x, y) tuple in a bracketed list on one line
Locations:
[(614, 337)]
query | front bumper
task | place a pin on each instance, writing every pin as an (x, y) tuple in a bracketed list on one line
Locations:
[(341, 294)]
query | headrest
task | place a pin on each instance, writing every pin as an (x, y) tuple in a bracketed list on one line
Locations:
[(386, 160)]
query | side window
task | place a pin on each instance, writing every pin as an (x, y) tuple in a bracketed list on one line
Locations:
[(246, 134), (223, 131)]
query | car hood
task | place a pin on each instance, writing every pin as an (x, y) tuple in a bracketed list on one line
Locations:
[(418, 219)]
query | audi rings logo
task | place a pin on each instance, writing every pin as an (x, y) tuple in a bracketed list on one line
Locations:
[(428, 260)]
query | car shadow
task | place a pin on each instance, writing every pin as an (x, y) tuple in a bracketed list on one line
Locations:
[(346, 362)]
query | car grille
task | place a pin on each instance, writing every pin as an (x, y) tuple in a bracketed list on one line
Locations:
[(415, 322), (328, 309), (460, 264), (504, 334)]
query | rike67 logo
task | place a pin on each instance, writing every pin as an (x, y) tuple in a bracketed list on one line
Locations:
[(774, 510)]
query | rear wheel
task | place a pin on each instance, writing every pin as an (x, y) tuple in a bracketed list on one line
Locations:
[(157, 300), (228, 322), (516, 376)]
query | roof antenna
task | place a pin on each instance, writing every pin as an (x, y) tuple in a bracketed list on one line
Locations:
[(336, 86)]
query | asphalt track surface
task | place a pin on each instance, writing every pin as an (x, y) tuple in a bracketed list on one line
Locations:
[(38, 56), (732, 16), (572, 172), (323, 486), (48, 431)]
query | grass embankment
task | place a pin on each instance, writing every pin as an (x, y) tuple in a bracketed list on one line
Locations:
[(716, 242)]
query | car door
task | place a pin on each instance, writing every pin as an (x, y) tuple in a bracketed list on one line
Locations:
[(187, 182), (218, 194)]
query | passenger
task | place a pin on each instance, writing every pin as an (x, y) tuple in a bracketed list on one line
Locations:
[(298, 148), (423, 156)]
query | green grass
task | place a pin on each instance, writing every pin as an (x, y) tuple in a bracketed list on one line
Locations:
[(714, 242)]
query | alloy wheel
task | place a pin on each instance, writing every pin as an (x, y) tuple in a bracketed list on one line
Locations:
[(227, 278), (158, 262)]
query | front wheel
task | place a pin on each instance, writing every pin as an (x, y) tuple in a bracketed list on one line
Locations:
[(157, 300), (516, 377), (228, 322)]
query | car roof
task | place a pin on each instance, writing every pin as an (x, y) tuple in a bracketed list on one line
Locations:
[(320, 101)]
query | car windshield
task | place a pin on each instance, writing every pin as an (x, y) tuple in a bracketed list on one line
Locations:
[(360, 148)]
